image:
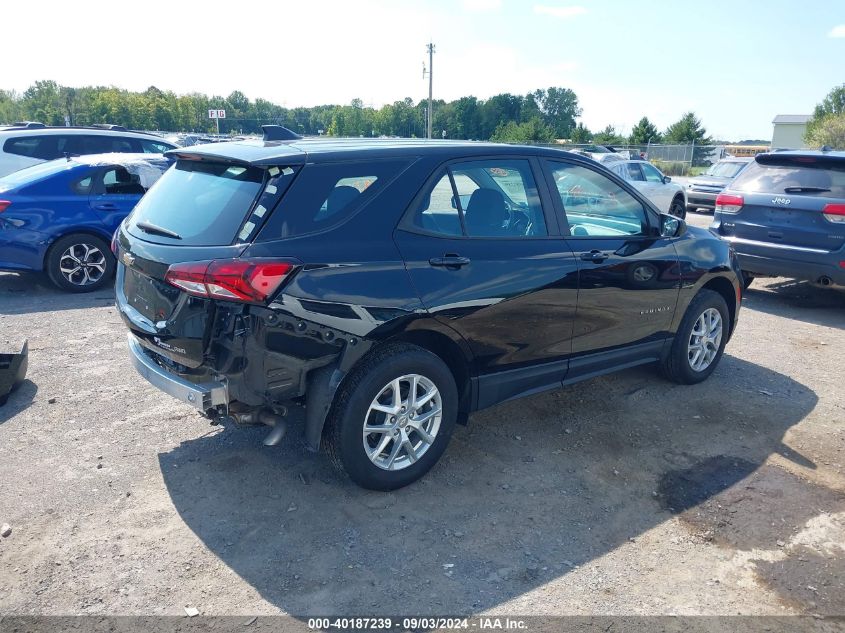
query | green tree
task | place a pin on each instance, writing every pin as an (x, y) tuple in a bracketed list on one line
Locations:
[(559, 107), (829, 130), (831, 106), (643, 133), (608, 136), (687, 130), (580, 134), (533, 131)]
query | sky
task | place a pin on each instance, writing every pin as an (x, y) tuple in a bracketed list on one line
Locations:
[(735, 63)]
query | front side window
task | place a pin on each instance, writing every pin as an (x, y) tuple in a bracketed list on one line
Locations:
[(651, 173), (495, 198), (595, 206)]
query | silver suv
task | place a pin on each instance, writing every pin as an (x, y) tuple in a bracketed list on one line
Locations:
[(26, 144)]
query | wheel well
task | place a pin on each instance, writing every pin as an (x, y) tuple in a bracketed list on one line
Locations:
[(82, 231), (451, 354), (728, 292)]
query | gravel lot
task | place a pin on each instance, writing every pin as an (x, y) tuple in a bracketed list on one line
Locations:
[(622, 495)]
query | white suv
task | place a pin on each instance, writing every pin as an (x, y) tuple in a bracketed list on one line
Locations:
[(26, 144)]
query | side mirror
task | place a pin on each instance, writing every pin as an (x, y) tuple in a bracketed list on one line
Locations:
[(670, 226), (667, 180)]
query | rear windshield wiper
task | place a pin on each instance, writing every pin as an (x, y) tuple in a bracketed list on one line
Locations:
[(157, 230), (805, 190)]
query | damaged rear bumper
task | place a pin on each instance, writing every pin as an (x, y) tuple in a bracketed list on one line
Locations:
[(207, 397)]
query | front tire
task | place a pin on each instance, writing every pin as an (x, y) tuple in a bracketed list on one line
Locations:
[(700, 341), (80, 263), (392, 417), (678, 208)]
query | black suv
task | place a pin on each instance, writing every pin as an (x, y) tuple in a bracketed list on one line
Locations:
[(383, 290)]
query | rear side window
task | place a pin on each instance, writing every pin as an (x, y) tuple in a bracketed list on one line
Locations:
[(793, 177), (204, 203), (42, 147), (325, 195), (84, 144)]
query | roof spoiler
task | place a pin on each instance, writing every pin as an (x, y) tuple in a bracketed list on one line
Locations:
[(279, 133)]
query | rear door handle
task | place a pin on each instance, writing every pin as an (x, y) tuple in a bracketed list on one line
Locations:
[(449, 261), (594, 256), (106, 206)]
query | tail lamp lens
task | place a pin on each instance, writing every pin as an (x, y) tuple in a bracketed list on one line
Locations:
[(247, 280), (832, 212), (726, 203)]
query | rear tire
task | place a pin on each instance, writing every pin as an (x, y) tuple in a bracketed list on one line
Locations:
[(696, 350), (80, 263), (395, 453)]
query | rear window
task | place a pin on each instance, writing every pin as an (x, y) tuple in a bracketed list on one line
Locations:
[(325, 195), (204, 203), (793, 177)]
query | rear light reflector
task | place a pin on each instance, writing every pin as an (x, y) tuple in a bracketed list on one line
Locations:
[(726, 203), (247, 280), (832, 213), (4, 204)]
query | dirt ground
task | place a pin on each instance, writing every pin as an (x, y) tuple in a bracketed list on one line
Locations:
[(622, 495)]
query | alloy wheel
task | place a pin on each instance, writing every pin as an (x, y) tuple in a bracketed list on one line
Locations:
[(82, 264), (402, 422), (705, 339)]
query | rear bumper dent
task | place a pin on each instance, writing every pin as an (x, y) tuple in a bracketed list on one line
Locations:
[(202, 396)]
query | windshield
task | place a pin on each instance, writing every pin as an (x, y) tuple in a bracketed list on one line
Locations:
[(36, 172), (197, 204), (726, 169)]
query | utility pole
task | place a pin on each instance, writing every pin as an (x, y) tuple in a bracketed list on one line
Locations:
[(430, 117)]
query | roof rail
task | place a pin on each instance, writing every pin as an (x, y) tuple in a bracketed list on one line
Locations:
[(109, 126), (279, 133), (28, 124)]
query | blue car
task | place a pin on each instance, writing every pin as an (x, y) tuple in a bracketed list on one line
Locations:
[(58, 217)]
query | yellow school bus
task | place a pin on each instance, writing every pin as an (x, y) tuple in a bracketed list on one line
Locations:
[(745, 150)]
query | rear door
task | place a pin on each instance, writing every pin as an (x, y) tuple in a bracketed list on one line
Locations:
[(114, 194), (628, 275), (482, 248), (782, 202)]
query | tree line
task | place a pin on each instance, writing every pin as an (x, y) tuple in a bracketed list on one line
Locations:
[(540, 116)]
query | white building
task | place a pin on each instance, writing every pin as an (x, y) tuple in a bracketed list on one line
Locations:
[(789, 131)]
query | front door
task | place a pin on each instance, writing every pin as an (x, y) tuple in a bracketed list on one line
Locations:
[(628, 274), (482, 251)]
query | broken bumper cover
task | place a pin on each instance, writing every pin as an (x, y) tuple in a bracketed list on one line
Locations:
[(12, 371), (206, 396)]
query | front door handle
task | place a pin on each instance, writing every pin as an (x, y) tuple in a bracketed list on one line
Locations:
[(106, 206), (449, 261), (597, 257)]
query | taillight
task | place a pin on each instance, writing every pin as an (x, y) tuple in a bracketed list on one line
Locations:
[(834, 213), (726, 203), (4, 204), (249, 280)]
